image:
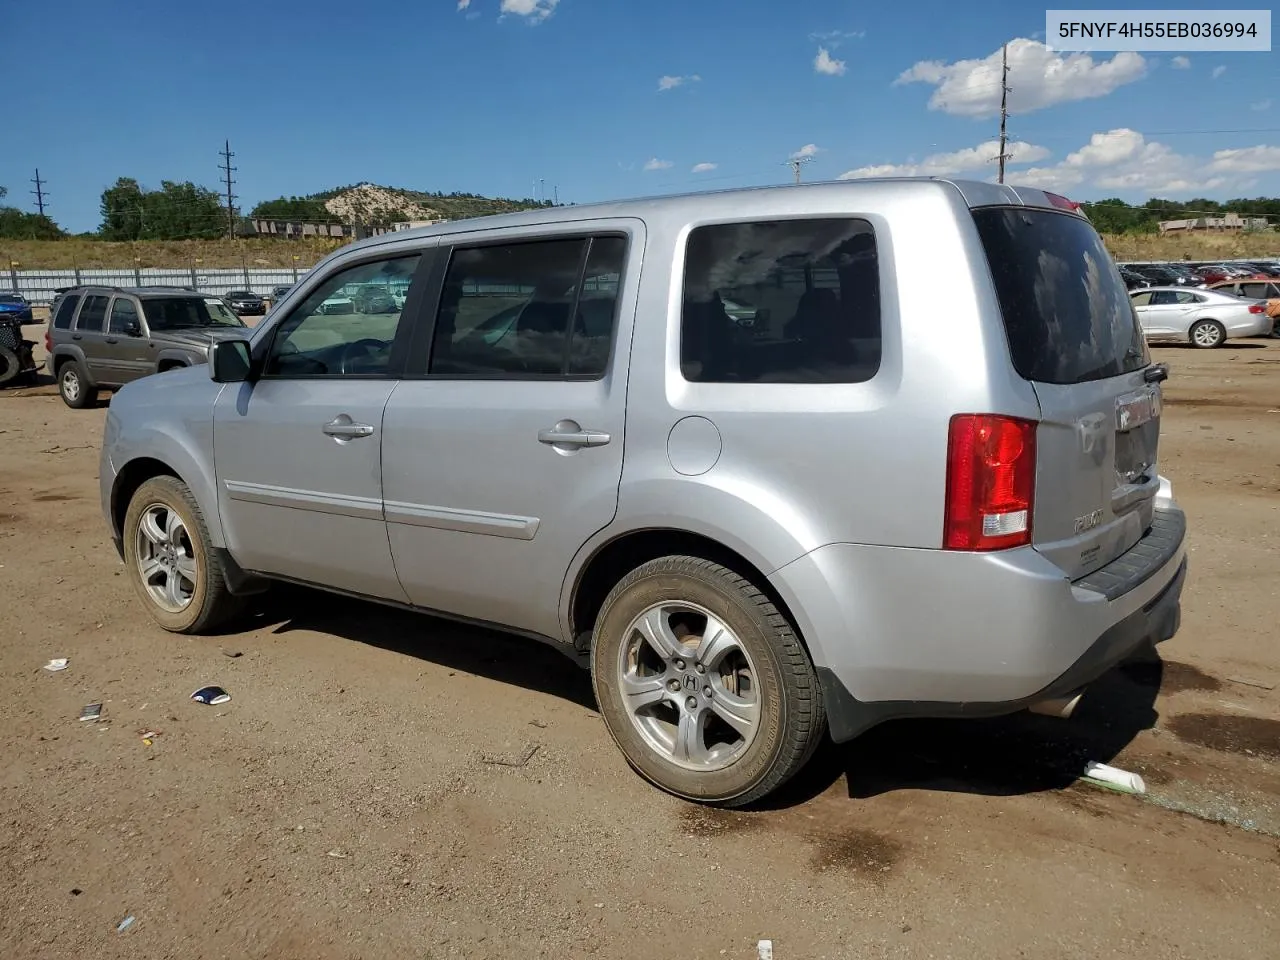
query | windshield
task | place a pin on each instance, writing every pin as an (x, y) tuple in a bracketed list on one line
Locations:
[(10, 298), (181, 313), (1066, 311)]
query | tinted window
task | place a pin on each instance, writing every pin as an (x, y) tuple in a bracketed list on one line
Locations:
[(92, 314), (781, 301), (327, 335), (123, 315), (1254, 290), (1164, 298), (66, 310), (1189, 298), (505, 309), (186, 313), (1066, 311)]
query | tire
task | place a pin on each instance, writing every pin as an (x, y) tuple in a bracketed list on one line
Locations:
[(203, 600), (785, 696), (73, 386), (1207, 334), (10, 366)]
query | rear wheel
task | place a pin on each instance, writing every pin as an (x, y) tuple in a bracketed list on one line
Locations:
[(73, 386), (1208, 334), (702, 683)]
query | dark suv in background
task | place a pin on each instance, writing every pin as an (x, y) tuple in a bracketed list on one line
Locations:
[(108, 336)]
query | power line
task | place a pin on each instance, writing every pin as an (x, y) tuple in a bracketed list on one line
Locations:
[(227, 168), (38, 192)]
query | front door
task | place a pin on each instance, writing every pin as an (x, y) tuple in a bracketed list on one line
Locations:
[(129, 354), (298, 451), (506, 457)]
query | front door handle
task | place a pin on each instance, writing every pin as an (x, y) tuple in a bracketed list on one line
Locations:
[(344, 428), (573, 436)]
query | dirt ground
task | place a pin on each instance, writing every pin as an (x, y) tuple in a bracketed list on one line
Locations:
[(369, 790)]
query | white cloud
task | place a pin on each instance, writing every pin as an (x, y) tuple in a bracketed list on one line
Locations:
[(1259, 159), (535, 10), (947, 164), (1217, 72), (463, 4), (670, 83), (1038, 78), (808, 150), (1260, 105), (656, 164), (1181, 63), (1116, 161), (825, 63), (833, 38), (704, 167)]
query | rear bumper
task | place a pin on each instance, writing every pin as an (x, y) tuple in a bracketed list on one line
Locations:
[(930, 633), (1259, 325)]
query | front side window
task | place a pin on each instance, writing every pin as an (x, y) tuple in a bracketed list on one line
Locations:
[(344, 327), (93, 314), (781, 301), (1141, 299), (124, 316), (534, 308)]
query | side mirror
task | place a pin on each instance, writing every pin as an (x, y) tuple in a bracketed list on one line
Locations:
[(133, 329), (230, 361)]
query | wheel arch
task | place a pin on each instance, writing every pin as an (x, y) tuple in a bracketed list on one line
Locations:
[(132, 476), (603, 565)]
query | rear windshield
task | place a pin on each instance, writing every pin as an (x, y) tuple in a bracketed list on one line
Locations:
[(1066, 310)]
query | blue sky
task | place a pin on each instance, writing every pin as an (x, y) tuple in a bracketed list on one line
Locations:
[(490, 96)]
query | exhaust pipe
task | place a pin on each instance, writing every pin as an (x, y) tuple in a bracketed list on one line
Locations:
[(1061, 707)]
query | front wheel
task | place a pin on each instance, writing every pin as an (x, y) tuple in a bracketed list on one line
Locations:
[(703, 684), (1208, 334), (171, 561)]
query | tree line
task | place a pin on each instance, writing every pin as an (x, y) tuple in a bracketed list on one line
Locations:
[(185, 211)]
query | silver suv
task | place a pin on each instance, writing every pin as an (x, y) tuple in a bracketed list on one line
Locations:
[(110, 336), (863, 504)]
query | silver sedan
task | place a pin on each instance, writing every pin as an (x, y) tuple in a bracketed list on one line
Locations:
[(1205, 318)]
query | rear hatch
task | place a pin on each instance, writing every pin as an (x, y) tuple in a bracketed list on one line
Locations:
[(1074, 336)]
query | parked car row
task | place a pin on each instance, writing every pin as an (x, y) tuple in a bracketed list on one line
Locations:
[(1197, 273)]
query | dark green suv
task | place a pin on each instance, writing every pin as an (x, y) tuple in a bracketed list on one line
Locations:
[(108, 336)]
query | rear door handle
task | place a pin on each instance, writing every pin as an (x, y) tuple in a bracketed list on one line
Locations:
[(112, 340), (76, 336), (573, 438), (344, 428)]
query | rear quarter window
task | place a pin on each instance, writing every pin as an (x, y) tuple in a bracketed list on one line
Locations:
[(781, 301), (1067, 314), (66, 310)]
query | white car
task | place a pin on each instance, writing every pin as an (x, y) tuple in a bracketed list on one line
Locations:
[(1205, 318)]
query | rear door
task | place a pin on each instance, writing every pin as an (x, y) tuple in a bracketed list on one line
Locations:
[(90, 336), (1074, 335)]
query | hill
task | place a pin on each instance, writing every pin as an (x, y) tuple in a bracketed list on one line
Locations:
[(371, 204)]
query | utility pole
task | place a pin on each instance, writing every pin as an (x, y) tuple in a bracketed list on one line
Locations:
[(795, 163), (39, 192), (227, 168), (1004, 108)]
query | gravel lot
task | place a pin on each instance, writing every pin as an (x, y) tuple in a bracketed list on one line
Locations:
[(363, 794)]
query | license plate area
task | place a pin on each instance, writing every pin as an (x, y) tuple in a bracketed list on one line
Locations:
[(1137, 436)]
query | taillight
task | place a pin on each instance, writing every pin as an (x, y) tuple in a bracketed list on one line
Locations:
[(48, 342), (1257, 308), (1062, 203), (991, 480)]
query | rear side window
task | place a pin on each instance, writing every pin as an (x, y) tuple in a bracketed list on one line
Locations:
[(66, 310), (781, 301), (93, 315), (1066, 311)]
